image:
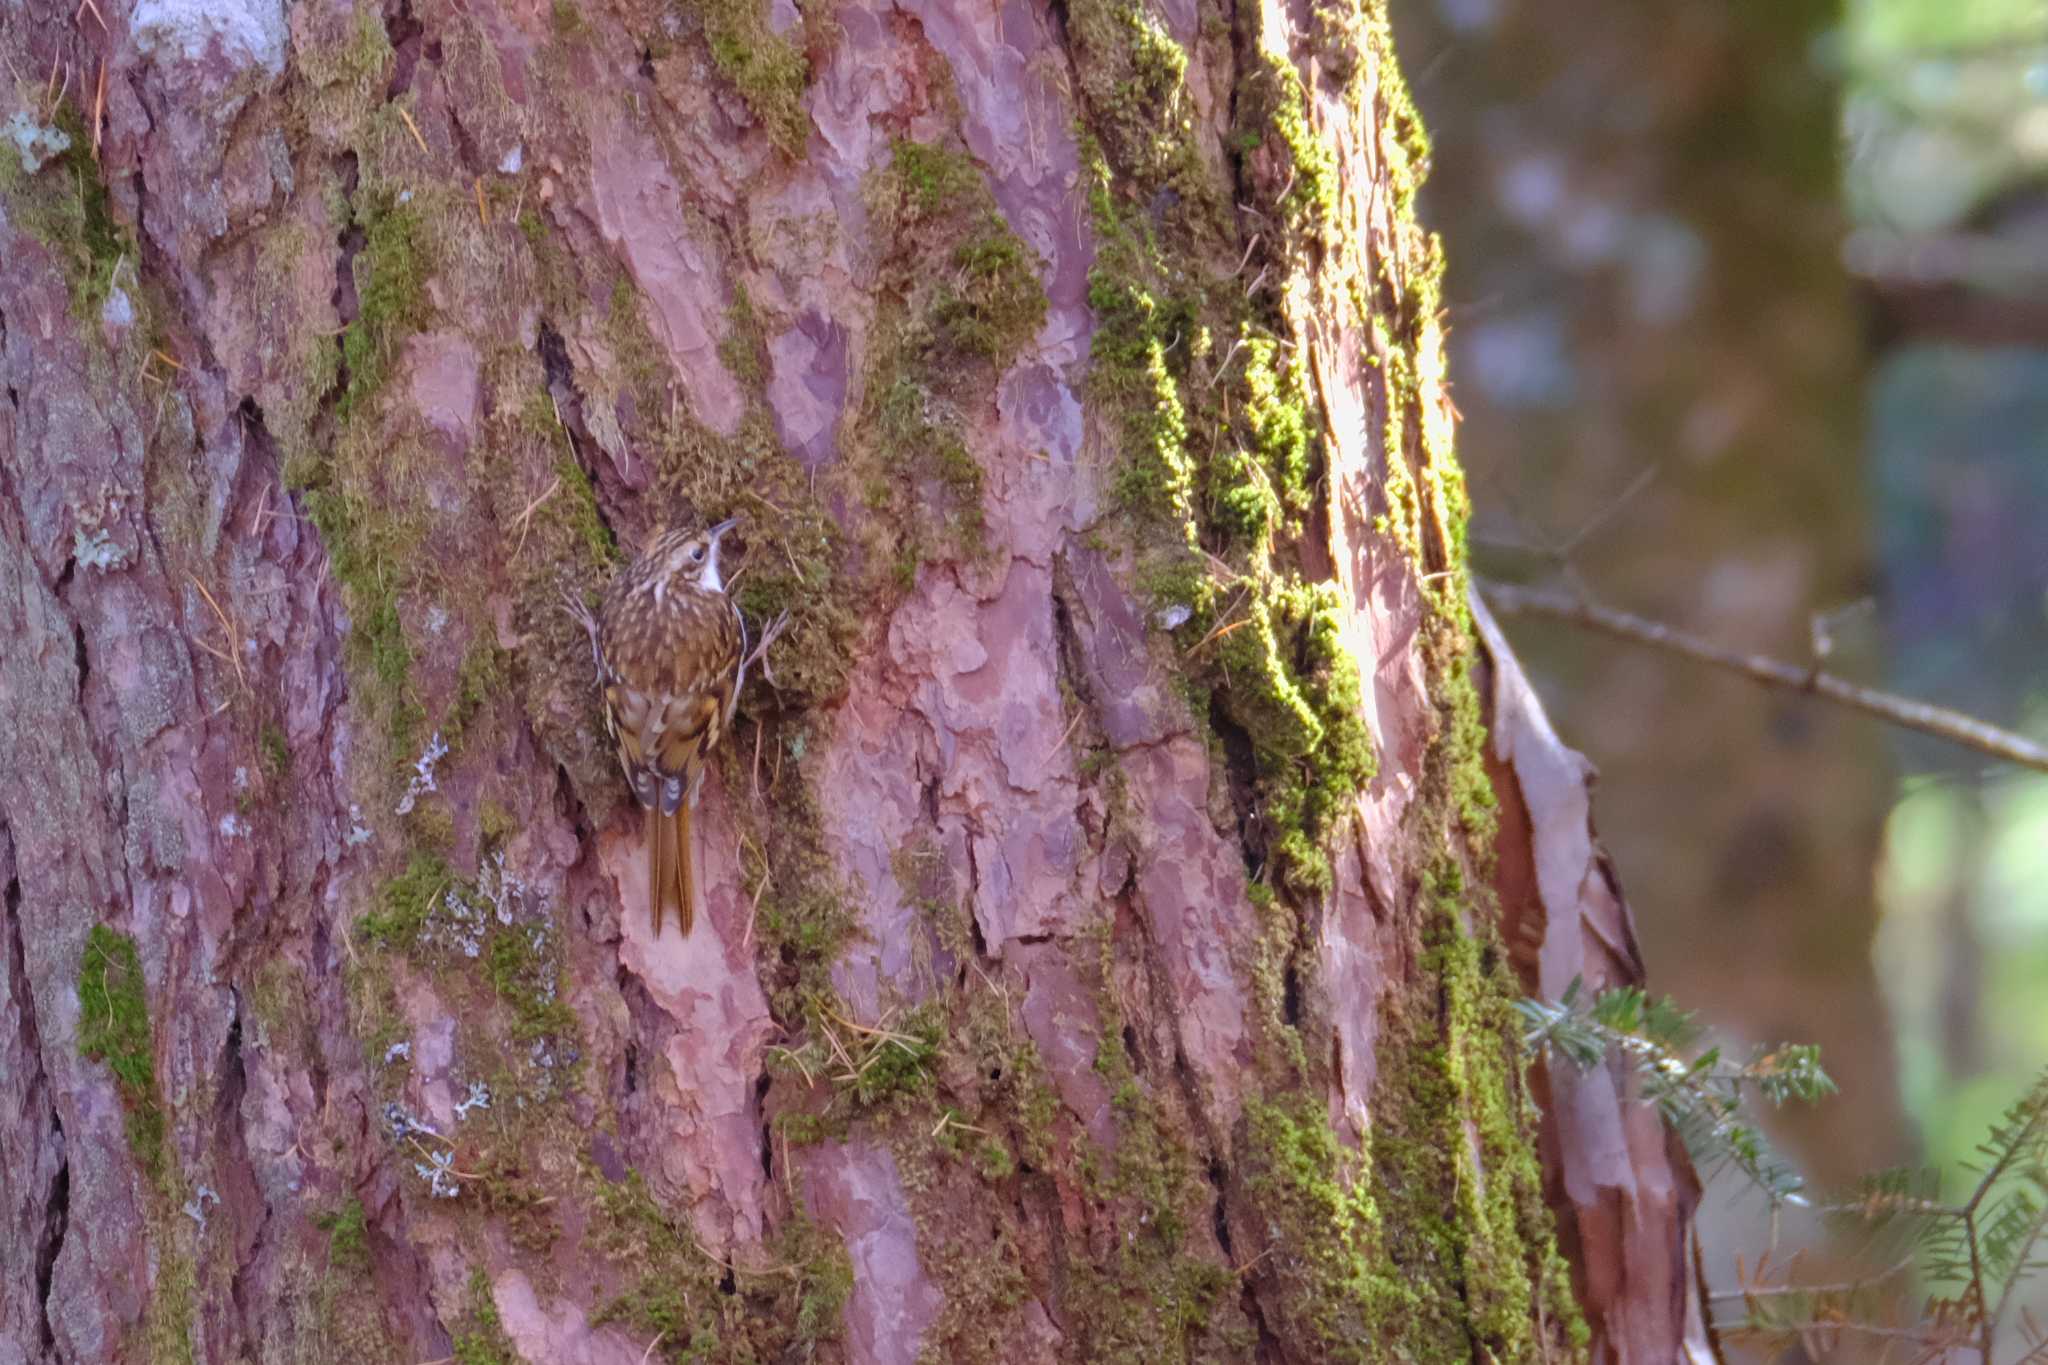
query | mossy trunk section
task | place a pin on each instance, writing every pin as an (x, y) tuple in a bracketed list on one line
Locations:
[(1113, 902)]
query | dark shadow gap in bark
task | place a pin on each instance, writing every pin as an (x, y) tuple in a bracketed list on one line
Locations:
[(467, 148), (347, 306), (347, 303), (316, 1067), (239, 1196), (465, 141), (56, 1219), (56, 1222), (571, 808), (554, 360), (561, 382), (1240, 775), (1218, 1210), (258, 485), (406, 35), (13, 398)]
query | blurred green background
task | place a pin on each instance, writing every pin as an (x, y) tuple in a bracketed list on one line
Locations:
[(1749, 325)]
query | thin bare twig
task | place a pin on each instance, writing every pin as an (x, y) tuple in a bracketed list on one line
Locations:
[(1938, 721), (1641, 481)]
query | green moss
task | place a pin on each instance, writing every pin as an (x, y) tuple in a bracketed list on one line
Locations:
[(1282, 429), (985, 1286), (879, 1068), (277, 754), (931, 178), (1151, 1289), (991, 1157), (580, 511), (921, 449), (167, 1327), (1296, 691), (527, 978), (484, 1342), (1455, 1164), (65, 207), (437, 922), (406, 901), (1432, 1243), (995, 304), (701, 1309), (348, 1238), (365, 552), (113, 1027), (390, 278), (351, 73), (1333, 1275), (943, 339), (898, 1065), (484, 676), (802, 918), (1464, 741), (1131, 77), (430, 825), (744, 349), (1276, 107), (769, 71), (496, 823)]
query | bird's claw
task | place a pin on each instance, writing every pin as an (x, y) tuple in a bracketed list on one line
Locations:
[(579, 611), (759, 653)]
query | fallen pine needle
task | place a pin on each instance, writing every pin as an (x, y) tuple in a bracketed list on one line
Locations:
[(415, 129)]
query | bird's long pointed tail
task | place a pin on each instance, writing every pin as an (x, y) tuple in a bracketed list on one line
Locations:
[(670, 880), (686, 880), (658, 873)]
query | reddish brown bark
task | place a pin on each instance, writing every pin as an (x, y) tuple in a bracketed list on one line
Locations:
[(286, 511)]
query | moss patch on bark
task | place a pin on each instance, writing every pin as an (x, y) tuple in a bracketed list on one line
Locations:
[(1431, 1242), (113, 1027)]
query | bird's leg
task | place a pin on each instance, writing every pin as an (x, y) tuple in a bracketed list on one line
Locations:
[(572, 602), (759, 652)]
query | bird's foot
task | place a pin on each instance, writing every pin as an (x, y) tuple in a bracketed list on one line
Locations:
[(759, 653), (579, 611)]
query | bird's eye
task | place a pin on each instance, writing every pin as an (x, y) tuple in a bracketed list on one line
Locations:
[(696, 553)]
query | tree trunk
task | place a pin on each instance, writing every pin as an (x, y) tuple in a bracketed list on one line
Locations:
[(1112, 903)]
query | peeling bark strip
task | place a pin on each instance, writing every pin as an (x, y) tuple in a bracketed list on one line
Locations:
[(1103, 960)]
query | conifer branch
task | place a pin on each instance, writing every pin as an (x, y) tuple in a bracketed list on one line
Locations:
[(1702, 1098)]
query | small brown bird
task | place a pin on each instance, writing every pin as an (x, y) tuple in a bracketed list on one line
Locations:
[(672, 655)]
